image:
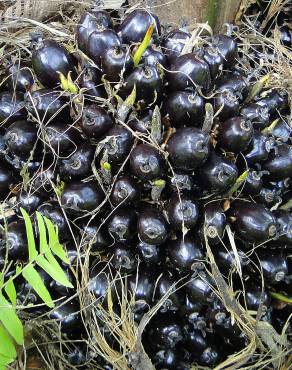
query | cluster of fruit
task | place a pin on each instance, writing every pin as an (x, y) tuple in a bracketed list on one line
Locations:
[(154, 156)]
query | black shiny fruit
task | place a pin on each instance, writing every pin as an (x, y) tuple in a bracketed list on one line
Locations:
[(173, 43), (135, 25), (49, 59), (235, 134), (214, 222), (78, 165), (48, 105), (188, 148), (119, 144), (125, 190), (80, 197), (273, 265), (258, 149), (53, 212), (19, 78), (152, 226), (184, 108), (185, 253), (166, 330), (182, 212), (95, 236), (99, 41), (116, 63), (95, 121), (11, 108), (200, 288), (62, 139), (253, 183), (259, 116), (279, 162), (30, 200), (68, 318), (218, 173), (123, 258), (99, 280), (189, 71), (226, 104), (149, 253), (253, 222), (233, 82), (16, 240), (122, 223), (90, 21), (214, 60), (255, 297), (21, 137), (153, 55), (227, 47), (7, 179), (141, 286), (148, 83), (90, 82), (146, 162), (284, 222)]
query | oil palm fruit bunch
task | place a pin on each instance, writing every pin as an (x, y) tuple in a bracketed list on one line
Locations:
[(149, 153)]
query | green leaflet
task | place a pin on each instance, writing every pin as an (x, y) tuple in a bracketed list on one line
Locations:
[(42, 233), (144, 45), (34, 279), (54, 243), (10, 320), (7, 349), (54, 270), (11, 291), (32, 252)]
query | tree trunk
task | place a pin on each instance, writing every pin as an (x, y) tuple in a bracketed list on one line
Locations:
[(176, 12)]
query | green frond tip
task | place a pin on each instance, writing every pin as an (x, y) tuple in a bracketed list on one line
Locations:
[(281, 297), (106, 166), (144, 45)]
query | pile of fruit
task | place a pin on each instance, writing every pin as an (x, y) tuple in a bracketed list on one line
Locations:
[(167, 168)]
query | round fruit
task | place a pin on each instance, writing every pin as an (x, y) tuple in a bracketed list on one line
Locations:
[(123, 258), (214, 222), (182, 212), (95, 121), (227, 47), (19, 78), (62, 139), (124, 191), (16, 240), (116, 63), (118, 145), (7, 179), (152, 226), (99, 41), (188, 148), (279, 163), (11, 108), (122, 223), (173, 43)]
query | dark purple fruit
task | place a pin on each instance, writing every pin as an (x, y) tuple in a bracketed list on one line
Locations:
[(79, 197), (214, 222), (226, 260), (146, 162), (173, 43), (7, 179), (184, 108), (209, 357), (284, 222), (11, 108), (196, 342), (226, 104), (214, 60), (188, 148), (48, 106), (200, 288), (95, 121), (68, 318), (185, 253), (62, 139), (218, 173), (182, 212), (236, 83), (167, 283), (99, 41), (256, 297), (166, 359), (227, 47), (90, 82), (258, 149), (116, 63), (99, 280), (257, 115), (123, 258), (152, 56), (53, 212), (119, 144), (141, 286), (274, 266), (78, 165), (253, 222), (282, 131), (273, 101), (135, 25), (152, 226), (122, 223), (269, 197), (166, 330), (149, 253), (21, 137), (49, 59), (142, 123), (189, 71), (30, 200), (96, 237), (279, 163), (91, 21), (43, 178), (125, 190), (19, 78), (235, 134), (253, 183), (15, 240), (181, 182), (148, 83)]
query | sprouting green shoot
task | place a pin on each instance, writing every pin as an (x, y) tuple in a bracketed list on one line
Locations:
[(144, 45)]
